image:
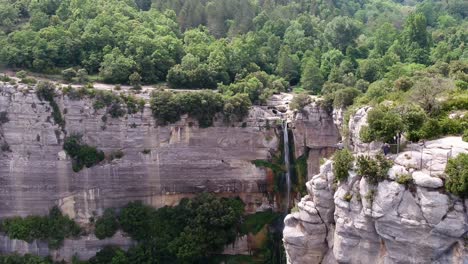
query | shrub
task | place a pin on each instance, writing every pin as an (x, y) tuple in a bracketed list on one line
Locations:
[(82, 75), (236, 107), (21, 74), (462, 85), (135, 80), (82, 154), (457, 175), (24, 259), (203, 106), (343, 162), (300, 101), (384, 124), (403, 84), (431, 129), (348, 196), (68, 74), (465, 135), (451, 126), (115, 110), (107, 225), (345, 97), (46, 91), (373, 169), (53, 228), (404, 179), (5, 78)]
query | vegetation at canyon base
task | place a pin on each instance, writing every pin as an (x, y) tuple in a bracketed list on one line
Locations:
[(190, 232), (53, 228)]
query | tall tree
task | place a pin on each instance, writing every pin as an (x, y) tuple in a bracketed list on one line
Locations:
[(311, 77), (416, 39), (288, 65)]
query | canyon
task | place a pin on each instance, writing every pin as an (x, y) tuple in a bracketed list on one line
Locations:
[(160, 164)]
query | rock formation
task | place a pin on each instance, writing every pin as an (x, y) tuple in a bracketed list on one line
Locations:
[(160, 164), (355, 222)]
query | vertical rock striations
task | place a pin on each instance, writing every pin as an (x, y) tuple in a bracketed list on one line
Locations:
[(387, 223)]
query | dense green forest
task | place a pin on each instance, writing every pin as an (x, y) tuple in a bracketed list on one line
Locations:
[(373, 50), (214, 43)]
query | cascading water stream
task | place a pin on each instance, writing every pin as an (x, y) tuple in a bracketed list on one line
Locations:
[(287, 164)]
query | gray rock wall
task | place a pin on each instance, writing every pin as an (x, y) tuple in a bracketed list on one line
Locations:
[(184, 159), (354, 222)]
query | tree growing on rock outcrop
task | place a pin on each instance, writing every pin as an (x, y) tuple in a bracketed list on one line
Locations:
[(343, 162), (300, 101), (373, 169), (457, 172)]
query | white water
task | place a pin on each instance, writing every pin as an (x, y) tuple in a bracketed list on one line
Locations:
[(286, 164)]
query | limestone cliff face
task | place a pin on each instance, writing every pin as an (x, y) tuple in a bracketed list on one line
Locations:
[(388, 223), (183, 159)]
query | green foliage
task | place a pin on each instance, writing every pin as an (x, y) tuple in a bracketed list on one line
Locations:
[(253, 223), (457, 173), (236, 107), (258, 85), (167, 106), (82, 75), (416, 39), (26, 259), (21, 74), (300, 101), (342, 32), (384, 124), (405, 179), (107, 225), (311, 76), (187, 233), (68, 74), (343, 162), (373, 169), (465, 135), (345, 97), (53, 228), (82, 154), (46, 91), (135, 80)]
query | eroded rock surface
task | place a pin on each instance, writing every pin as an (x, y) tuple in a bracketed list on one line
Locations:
[(387, 223)]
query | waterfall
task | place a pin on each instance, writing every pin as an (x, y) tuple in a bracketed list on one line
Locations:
[(287, 163)]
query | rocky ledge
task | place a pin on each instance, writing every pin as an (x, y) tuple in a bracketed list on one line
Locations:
[(388, 223)]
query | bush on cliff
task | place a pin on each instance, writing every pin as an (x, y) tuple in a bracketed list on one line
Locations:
[(82, 154), (46, 91), (167, 107), (457, 173), (343, 162), (373, 169), (53, 228), (107, 225)]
